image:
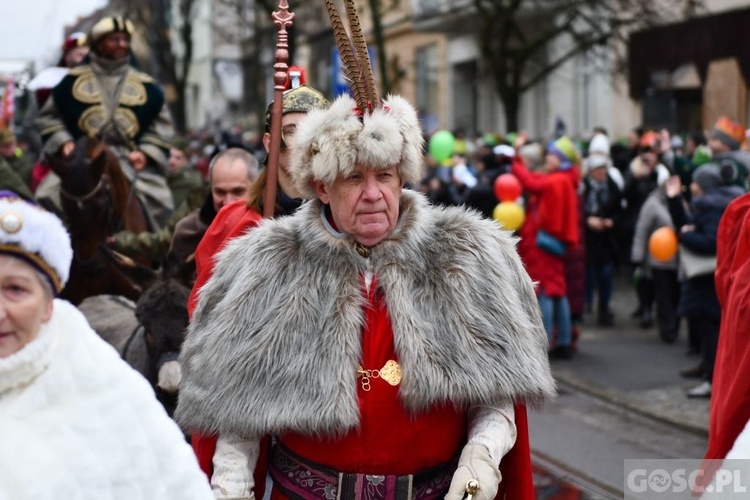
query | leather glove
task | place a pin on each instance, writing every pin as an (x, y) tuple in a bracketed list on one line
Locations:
[(475, 463)]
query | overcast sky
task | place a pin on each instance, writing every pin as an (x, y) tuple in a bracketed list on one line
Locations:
[(33, 29)]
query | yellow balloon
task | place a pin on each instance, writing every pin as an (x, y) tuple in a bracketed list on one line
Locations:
[(510, 214)]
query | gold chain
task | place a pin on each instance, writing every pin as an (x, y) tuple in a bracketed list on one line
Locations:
[(391, 373)]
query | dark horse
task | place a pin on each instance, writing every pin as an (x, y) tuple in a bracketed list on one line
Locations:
[(148, 334), (97, 201)]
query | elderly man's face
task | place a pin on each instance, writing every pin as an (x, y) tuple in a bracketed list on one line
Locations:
[(364, 204), (24, 305)]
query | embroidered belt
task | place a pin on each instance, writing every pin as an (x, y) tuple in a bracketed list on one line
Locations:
[(301, 479)]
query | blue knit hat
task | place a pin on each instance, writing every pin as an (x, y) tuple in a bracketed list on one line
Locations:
[(565, 150)]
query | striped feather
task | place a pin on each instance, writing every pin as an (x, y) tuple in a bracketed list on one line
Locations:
[(360, 48), (350, 64)]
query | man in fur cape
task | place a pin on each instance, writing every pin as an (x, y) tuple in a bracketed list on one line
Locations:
[(387, 345)]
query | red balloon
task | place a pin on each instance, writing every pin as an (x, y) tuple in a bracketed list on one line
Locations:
[(507, 188)]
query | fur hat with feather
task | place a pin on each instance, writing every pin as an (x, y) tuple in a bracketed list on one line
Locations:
[(360, 129), (331, 142)]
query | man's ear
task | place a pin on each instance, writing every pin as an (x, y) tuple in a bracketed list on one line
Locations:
[(267, 142), (320, 190)]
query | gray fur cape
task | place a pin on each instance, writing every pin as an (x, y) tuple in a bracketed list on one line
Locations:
[(275, 341)]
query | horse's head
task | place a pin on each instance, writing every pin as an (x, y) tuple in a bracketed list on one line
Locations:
[(81, 171), (162, 311), (93, 191)]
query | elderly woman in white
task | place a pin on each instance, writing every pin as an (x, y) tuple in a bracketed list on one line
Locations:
[(76, 422)]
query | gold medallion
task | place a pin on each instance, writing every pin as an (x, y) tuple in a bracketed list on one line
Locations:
[(391, 372)]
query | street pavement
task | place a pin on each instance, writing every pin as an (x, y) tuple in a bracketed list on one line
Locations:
[(620, 397), (631, 367)]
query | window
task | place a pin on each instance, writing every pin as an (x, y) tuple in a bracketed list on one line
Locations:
[(427, 80)]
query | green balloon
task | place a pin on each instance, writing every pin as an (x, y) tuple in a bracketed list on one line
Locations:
[(441, 145)]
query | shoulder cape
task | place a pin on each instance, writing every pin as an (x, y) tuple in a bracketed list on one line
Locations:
[(275, 340)]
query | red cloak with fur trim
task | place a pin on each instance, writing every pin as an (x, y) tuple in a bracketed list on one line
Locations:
[(236, 219)]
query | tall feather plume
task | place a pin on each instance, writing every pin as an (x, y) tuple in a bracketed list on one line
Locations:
[(351, 65), (363, 56)]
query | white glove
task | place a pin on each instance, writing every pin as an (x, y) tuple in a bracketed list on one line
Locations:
[(475, 463), (234, 463)]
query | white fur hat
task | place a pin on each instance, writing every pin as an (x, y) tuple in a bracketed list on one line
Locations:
[(329, 142), (31, 233)]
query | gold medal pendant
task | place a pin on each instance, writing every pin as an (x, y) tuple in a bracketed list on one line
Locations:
[(391, 372)]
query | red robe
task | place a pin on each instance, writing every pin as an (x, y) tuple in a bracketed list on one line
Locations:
[(374, 448), (552, 206), (730, 398)]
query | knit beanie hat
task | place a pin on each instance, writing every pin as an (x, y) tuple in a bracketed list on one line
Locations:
[(707, 176), (730, 133), (565, 150), (701, 155), (599, 145)]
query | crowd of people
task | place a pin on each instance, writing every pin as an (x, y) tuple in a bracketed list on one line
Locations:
[(607, 199), (358, 342)]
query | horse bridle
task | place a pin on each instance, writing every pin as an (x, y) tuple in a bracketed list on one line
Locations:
[(80, 199)]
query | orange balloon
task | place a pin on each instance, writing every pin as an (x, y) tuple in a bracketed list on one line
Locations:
[(662, 245)]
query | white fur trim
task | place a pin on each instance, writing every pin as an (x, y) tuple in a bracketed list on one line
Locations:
[(89, 427), (23, 366), (330, 142), (37, 234)]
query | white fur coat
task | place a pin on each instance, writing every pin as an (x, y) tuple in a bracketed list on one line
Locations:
[(276, 338), (77, 423)]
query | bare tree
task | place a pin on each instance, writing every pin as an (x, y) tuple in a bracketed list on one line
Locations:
[(159, 26), (522, 42), (255, 33)]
